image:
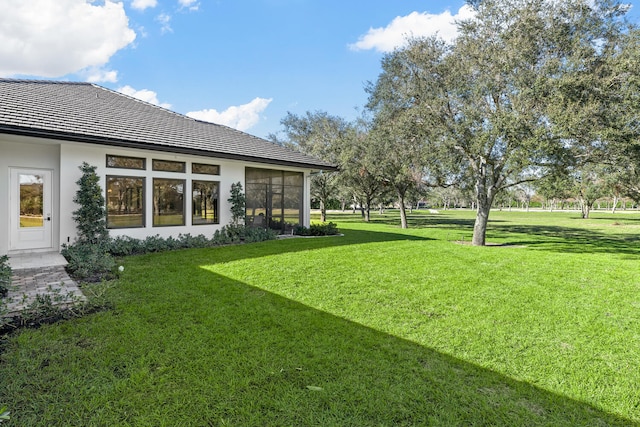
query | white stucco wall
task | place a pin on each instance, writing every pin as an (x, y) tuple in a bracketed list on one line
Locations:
[(28, 153), (73, 154), (63, 159)]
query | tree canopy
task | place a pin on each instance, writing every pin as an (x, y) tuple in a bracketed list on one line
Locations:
[(525, 89)]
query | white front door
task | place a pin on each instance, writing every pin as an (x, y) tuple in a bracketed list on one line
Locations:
[(30, 204)]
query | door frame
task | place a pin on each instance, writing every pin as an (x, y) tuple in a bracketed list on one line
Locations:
[(39, 238)]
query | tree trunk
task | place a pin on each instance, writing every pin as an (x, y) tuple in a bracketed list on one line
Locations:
[(480, 226), (403, 212), (615, 204), (484, 200), (585, 208)]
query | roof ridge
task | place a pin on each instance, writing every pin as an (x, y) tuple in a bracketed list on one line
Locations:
[(43, 81)]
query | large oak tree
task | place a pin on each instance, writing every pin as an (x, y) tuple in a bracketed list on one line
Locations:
[(520, 93)]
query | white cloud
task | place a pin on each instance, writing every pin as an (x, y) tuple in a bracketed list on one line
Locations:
[(143, 4), (165, 23), (143, 95), (241, 117), (98, 75), (189, 4), (53, 38), (413, 25)]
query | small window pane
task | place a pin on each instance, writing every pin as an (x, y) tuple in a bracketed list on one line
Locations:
[(168, 202), (125, 162), (205, 169), (205, 202), (125, 202), (168, 166)]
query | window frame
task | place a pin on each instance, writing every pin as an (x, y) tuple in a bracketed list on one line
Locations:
[(144, 162), (143, 202), (176, 162), (204, 173), (216, 208), (184, 205)]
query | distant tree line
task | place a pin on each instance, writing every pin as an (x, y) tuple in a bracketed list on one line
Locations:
[(532, 97)]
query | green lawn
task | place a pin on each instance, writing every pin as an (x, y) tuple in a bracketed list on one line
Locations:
[(380, 327)]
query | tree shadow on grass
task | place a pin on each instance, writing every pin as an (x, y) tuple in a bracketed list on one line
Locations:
[(568, 239), (543, 237), (339, 372), (217, 351)]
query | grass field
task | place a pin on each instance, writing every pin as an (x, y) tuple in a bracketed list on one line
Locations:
[(379, 327)]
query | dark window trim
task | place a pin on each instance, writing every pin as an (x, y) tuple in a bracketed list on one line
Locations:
[(217, 222), (153, 166), (144, 201), (184, 202), (144, 162), (205, 173)]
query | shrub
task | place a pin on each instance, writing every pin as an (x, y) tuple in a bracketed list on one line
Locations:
[(88, 257), (89, 262), (259, 234), (90, 217), (238, 203), (324, 229), (5, 276)]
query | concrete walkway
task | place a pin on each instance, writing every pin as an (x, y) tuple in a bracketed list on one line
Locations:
[(40, 274)]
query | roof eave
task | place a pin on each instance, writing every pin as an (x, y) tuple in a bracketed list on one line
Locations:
[(65, 136)]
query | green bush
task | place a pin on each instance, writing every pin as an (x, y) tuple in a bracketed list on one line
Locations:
[(89, 262), (5, 276), (90, 217), (229, 234), (252, 235), (238, 203), (324, 229), (88, 257)]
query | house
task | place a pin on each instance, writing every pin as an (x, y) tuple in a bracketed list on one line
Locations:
[(162, 173)]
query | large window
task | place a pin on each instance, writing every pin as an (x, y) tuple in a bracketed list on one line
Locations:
[(274, 198), (168, 202), (205, 202), (125, 202)]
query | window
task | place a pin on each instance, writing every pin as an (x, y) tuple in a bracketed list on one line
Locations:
[(125, 162), (168, 202), (168, 166), (205, 169), (274, 196), (125, 202), (205, 202)]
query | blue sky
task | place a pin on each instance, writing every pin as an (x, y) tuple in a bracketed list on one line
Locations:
[(243, 63)]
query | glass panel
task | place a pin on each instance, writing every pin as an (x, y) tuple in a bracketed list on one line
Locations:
[(168, 166), (125, 202), (31, 200), (274, 195), (292, 205), (125, 162), (256, 204), (205, 169), (293, 178), (205, 202), (168, 202)]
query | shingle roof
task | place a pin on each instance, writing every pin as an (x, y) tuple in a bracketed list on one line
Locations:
[(90, 113)]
